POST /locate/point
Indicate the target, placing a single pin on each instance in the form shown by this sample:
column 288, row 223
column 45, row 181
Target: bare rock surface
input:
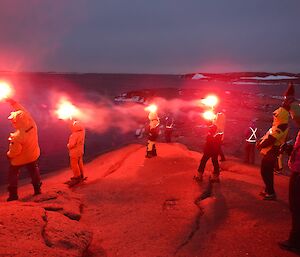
column 133, row 206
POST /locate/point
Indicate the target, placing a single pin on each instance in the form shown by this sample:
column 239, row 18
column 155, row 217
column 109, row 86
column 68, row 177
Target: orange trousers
column 76, row 164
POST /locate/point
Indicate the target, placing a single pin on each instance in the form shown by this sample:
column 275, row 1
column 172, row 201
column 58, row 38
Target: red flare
column 66, row 110
column 151, row 108
column 5, row 90
column 210, row 100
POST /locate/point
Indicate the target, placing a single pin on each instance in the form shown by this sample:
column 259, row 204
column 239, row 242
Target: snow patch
column 199, row 76
column 270, row 77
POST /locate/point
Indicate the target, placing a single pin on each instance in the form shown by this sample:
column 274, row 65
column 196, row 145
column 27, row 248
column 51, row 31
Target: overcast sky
column 153, row 36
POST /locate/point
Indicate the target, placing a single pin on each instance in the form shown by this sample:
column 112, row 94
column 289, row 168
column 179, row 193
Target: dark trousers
column 222, row 156
column 266, row 171
column 33, row 170
column 294, row 201
column 168, row 134
column 214, row 160
column 250, row 153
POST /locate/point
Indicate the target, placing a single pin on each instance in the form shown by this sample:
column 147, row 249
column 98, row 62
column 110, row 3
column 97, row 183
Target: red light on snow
column 66, row 110
column 210, row 100
column 151, row 108
column 5, row 90
column 209, row 115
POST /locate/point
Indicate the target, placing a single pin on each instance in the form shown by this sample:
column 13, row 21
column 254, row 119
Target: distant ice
column 270, row 77
column 244, row 82
column 199, row 76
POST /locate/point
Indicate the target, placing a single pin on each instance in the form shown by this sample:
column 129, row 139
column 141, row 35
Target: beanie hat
column 289, row 94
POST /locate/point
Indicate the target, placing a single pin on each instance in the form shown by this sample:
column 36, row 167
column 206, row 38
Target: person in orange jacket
column 153, row 131
column 23, row 151
column 76, row 150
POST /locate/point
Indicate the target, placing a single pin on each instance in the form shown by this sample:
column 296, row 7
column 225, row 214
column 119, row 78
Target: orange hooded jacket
column 23, row 143
column 76, row 140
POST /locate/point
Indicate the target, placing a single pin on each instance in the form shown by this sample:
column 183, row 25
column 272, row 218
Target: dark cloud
column 134, row 36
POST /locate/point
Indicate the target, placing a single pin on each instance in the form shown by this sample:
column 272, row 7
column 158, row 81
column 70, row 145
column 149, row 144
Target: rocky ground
column 132, row 206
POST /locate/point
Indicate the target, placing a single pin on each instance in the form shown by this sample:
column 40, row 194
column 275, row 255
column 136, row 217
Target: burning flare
column 5, row 90
column 209, row 115
column 210, row 100
column 151, row 108
column 66, row 110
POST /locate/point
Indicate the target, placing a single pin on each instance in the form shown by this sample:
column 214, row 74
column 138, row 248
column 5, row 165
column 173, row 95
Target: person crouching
column 76, row 150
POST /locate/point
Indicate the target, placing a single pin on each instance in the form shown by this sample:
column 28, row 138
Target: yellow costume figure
column 153, row 134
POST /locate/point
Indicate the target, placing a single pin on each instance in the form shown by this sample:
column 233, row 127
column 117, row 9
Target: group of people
column 24, row 150
column 269, row 146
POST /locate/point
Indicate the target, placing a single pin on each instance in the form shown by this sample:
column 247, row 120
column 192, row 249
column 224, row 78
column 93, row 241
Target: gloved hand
column 10, row 100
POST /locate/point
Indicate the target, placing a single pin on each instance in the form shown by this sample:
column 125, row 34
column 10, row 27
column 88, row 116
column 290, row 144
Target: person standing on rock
column 169, row 123
column 23, row 151
column 153, row 131
column 293, row 242
column 76, row 150
column 211, row 150
column 269, row 146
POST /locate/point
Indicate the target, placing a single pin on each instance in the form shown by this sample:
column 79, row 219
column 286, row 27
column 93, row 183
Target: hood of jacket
column 76, row 126
column 20, row 119
column 280, row 116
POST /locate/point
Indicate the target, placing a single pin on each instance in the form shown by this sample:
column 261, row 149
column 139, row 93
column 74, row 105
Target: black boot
column 37, row 188
column 74, row 181
column 13, row 193
column 149, row 154
column 154, row 150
